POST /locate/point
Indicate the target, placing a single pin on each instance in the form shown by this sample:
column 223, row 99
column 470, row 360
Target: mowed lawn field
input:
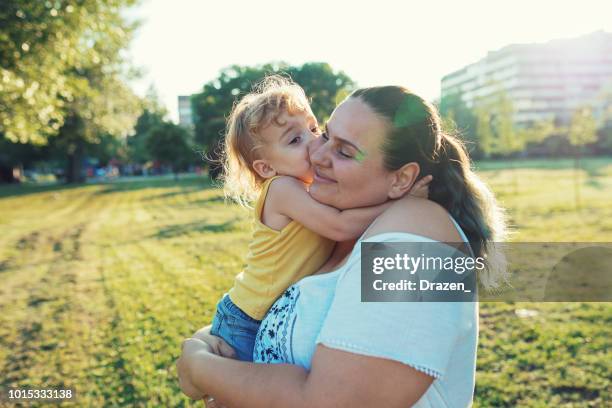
column 100, row 283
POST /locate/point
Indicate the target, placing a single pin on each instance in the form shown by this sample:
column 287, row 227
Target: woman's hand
column 421, row 187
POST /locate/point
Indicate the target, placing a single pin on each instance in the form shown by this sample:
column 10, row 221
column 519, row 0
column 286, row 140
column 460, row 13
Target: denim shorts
column 235, row 327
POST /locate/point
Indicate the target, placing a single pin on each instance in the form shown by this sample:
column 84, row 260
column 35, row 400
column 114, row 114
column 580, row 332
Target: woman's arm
column 337, row 379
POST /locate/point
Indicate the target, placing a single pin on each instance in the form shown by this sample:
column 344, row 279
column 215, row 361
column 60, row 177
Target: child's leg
column 235, row 327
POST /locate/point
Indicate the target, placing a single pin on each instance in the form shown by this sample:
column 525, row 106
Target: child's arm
column 287, row 196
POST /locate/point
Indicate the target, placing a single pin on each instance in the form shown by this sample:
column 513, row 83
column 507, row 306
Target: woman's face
column 347, row 159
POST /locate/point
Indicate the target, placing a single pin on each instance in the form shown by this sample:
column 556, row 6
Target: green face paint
column 360, row 156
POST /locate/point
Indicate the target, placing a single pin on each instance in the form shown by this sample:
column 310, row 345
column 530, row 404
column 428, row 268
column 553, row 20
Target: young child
column 267, row 162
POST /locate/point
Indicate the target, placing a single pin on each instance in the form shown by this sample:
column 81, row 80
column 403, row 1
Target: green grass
column 101, row 282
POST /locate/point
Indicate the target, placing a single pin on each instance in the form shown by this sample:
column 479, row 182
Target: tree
column 459, row 118
column 324, row 87
column 538, row 131
column 63, row 74
column 501, row 111
column 215, row 102
column 604, row 101
column 44, row 46
column 605, row 137
column 497, row 132
column 38, row 44
column 170, row 144
column 484, row 131
column 495, row 126
column 137, row 143
column 151, row 117
column 582, row 131
column 111, row 109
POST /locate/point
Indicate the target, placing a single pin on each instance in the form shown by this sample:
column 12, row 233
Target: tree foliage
column 459, row 118
column 583, row 127
column 59, row 58
column 495, row 124
column 582, row 131
column 63, row 75
column 152, row 116
column 171, row 145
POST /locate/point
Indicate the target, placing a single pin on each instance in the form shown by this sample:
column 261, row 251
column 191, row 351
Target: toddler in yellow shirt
column 267, row 162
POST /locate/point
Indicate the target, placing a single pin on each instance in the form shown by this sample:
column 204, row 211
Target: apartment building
column 546, row 80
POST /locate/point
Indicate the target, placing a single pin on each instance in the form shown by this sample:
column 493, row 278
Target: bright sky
column 182, row 44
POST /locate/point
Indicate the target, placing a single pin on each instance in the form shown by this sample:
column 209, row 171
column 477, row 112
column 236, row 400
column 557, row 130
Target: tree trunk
column 7, row 175
column 515, row 177
column 577, row 177
column 71, row 142
column 74, row 172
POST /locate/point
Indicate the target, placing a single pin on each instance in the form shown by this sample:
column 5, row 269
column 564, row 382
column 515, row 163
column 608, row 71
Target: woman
column 331, row 349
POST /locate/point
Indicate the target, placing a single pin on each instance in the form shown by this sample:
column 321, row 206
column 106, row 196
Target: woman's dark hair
column 415, row 135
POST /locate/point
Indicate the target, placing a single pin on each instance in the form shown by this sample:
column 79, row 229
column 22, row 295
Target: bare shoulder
column 284, row 185
column 283, row 190
column 416, row 216
column 280, row 193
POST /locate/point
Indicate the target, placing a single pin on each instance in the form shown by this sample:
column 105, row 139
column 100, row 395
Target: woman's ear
column 403, row 179
column 263, row 169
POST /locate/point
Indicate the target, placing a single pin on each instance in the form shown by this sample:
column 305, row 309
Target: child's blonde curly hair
column 269, row 99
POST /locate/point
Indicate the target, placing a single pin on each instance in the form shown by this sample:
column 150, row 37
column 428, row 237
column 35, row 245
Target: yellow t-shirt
column 275, row 261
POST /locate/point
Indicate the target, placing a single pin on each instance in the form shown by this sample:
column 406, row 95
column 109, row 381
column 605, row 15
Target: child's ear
column 263, row 169
column 403, row 179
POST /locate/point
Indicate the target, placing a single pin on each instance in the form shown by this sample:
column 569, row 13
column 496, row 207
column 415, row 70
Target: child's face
column 285, row 148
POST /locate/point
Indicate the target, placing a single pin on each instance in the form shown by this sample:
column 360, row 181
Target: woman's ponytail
column 471, row 203
column 415, row 135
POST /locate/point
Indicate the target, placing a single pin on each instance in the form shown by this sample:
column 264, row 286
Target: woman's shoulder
column 416, row 216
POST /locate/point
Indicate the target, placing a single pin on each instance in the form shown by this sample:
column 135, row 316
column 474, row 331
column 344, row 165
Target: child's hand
column 218, row 345
column 421, row 188
column 191, row 350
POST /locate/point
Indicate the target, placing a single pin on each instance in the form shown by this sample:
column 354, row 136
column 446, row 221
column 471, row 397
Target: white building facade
column 184, row 111
column 544, row 81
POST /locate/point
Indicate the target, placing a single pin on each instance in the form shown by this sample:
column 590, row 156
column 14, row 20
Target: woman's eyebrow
column 343, row 140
